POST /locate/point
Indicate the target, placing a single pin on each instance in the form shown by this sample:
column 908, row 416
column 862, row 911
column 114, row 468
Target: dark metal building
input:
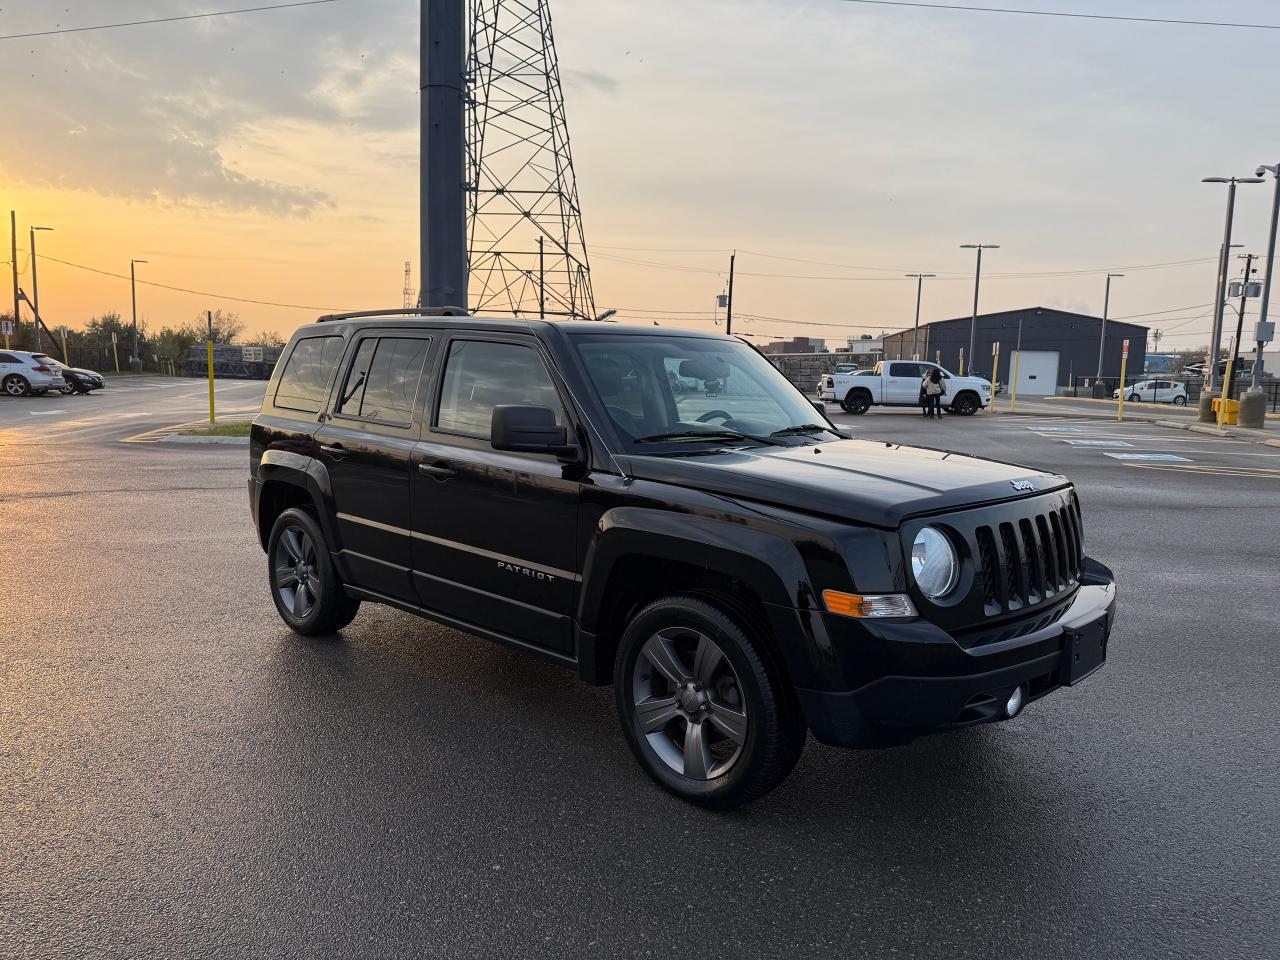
column 1056, row 346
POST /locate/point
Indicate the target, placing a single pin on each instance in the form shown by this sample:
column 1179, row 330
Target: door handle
column 440, row 471
column 336, row 450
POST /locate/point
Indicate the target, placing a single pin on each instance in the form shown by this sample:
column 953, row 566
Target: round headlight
column 933, row 563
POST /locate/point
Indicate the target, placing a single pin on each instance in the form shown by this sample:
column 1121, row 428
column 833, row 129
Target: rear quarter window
column 305, row 379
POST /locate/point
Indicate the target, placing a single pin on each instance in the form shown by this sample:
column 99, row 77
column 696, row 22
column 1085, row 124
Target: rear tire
column 304, row 583
column 1179, row 401
column 16, row 386
column 856, row 402
column 709, row 716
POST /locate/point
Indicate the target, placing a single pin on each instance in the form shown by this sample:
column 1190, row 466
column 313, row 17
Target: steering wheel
column 712, row 414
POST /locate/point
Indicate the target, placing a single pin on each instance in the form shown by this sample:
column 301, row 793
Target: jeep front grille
column 1026, row 561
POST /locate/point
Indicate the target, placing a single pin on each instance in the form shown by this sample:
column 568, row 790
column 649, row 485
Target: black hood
column 864, row 480
column 81, row 371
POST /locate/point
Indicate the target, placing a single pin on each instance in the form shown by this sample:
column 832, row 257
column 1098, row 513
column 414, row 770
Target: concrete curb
column 1111, row 404
column 1224, row 432
column 213, row 441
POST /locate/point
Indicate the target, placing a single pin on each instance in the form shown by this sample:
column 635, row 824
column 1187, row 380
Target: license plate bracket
column 1084, row 650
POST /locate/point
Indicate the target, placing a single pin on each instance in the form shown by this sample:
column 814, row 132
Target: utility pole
column 728, row 317
column 133, row 290
column 542, row 277
column 13, row 256
column 442, row 204
column 977, row 282
column 920, row 279
column 1235, row 348
column 1220, row 295
column 1099, row 389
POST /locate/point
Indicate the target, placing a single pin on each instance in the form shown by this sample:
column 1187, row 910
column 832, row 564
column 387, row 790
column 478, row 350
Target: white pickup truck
column 896, row 383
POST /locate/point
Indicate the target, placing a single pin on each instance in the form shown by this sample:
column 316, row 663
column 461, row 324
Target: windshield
column 675, row 388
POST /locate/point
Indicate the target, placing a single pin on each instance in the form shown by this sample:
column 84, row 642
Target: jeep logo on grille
column 1026, row 486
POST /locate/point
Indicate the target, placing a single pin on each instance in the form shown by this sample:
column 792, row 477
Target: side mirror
column 820, row 407
column 528, row 429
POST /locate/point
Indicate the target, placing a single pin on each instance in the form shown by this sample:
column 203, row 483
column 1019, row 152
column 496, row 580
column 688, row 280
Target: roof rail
column 398, row 312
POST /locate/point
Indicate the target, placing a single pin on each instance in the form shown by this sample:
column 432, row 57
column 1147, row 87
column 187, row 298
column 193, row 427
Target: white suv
column 22, row 373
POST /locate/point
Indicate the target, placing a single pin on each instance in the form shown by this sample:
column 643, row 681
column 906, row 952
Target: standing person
column 932, row 390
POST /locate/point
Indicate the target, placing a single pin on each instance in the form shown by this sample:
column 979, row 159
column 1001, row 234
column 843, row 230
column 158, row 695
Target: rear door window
column 394, row 376
column 305, row 379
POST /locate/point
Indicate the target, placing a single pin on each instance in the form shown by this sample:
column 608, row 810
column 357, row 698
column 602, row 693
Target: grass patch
column 218, row 430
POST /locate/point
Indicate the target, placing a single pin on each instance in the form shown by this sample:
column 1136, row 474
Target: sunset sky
column 273, row 156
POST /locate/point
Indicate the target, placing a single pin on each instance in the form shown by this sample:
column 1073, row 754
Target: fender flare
column 769, row 565
column 296, row 470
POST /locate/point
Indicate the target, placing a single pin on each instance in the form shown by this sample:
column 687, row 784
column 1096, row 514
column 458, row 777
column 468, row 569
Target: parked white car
column 22, row 373
column 896, row 383
column 1155, row 391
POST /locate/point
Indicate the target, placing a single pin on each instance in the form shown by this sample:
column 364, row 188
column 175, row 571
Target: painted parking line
column 1208, row 470
column 1099, row 443
column 1149, row 457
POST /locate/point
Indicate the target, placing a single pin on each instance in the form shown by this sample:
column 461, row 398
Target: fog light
column 1014, row 703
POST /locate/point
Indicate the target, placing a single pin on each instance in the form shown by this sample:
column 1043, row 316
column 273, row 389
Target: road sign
column 251, row 354
column 1124, row 354
column 63, row 332
column 114, row 341
column 6, row 328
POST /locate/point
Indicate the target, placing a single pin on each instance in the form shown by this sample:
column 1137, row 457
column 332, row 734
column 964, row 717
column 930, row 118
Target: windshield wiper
column 707, row 435
column 802, row 428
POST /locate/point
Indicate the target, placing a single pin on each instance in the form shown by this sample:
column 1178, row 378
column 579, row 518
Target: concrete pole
column 443, row 208
column 1235, row 348
column 1271, row 262
column 13, row 245
column 973, row 324
column 133, row 292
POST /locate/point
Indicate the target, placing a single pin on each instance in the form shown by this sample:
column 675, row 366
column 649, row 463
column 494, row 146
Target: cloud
column 149, row 112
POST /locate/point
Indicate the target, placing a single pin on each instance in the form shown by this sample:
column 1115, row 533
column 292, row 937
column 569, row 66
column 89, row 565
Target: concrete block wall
column 804, row 369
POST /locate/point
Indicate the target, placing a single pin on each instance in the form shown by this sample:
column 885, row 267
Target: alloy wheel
column 15, row 387
column 297, row 572
column 689, row 703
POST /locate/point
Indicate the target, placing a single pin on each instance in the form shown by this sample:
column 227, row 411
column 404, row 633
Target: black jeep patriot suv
column 663, row 511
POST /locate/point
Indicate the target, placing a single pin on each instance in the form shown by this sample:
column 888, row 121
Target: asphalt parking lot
column 180, row 776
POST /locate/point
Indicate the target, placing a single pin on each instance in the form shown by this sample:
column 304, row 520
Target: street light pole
column 977, row 282
column 35, row 283
column 919, row 279
column 1102, row 342
column 1244, row 300
column 1274, row 169
column 133, row 289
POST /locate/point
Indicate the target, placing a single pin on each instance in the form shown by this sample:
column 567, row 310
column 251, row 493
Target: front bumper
column 934, row 684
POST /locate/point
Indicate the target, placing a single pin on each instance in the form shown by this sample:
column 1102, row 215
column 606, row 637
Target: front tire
column 304, row 583
column 1134, row 398
column 965, row 405
column 704, row 710
column 16, row 386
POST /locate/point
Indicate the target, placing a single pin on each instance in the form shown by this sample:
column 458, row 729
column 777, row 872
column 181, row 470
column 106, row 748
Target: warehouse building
column 1057, row 346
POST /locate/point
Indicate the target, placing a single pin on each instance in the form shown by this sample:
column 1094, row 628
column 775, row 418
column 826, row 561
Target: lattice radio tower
column 410, row 294
column 527, row 250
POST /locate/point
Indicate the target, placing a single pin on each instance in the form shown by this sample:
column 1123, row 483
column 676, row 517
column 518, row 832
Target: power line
column 189, row 16
column 968, row 8
column 197, row 293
